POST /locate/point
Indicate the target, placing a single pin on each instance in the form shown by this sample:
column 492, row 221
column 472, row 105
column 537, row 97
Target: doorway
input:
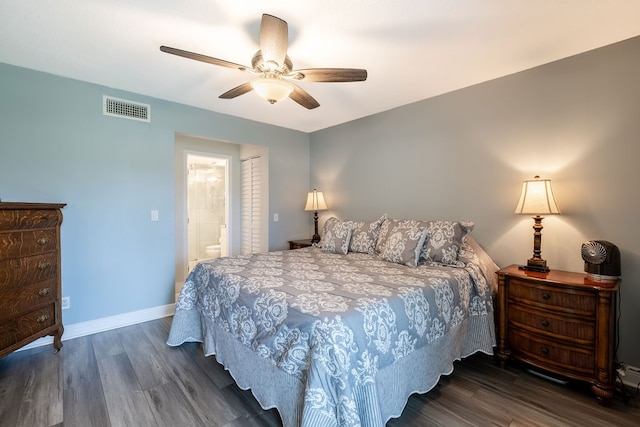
column 207, row 207
column 232, row 153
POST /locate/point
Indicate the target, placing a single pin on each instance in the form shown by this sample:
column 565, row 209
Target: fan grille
column 594, row 252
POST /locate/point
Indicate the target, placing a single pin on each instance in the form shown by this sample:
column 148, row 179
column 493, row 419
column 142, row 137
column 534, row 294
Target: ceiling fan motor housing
column 601, row 259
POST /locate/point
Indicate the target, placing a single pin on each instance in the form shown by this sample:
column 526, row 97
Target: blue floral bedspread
column 332, row 321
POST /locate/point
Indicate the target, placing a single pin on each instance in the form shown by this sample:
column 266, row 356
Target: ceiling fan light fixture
column 274, row 68
column 272, row 90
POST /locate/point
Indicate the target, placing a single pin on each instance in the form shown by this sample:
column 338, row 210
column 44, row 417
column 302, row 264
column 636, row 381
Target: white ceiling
column 412, row 49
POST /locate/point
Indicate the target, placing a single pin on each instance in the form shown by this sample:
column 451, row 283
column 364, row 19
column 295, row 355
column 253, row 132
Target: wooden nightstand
column 561, row 322
column 299, row 244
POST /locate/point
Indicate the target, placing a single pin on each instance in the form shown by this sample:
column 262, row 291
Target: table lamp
column 315, row 203
column 537, row 199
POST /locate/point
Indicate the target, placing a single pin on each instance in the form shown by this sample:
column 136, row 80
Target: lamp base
column 315, row 238
column 536, row 264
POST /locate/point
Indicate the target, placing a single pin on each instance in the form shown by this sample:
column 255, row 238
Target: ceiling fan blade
column 303, row 98
column 329, row 75
column 203, row 58
column 237, row 91
column 274, row 39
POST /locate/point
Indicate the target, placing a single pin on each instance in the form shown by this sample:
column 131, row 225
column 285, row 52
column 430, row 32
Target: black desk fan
column 601, row 260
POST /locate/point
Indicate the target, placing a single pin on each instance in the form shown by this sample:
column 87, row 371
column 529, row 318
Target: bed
column 343, row 334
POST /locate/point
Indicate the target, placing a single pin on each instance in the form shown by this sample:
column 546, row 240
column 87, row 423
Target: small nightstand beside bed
column 344, row 334
column 561, row 322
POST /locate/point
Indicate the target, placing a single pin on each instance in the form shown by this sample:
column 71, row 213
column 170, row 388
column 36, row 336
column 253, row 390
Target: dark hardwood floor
column 130, row 377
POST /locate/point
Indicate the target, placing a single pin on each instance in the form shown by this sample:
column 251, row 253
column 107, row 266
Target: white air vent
column 125, row 109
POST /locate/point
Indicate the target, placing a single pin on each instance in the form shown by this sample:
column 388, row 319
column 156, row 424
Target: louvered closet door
column 251, row 205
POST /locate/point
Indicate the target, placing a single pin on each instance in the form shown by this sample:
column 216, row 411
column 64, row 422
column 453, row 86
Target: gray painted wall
column 56, row 146
column 463, row 155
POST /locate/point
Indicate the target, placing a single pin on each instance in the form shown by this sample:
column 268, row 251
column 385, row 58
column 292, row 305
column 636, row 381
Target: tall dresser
column 30, row 287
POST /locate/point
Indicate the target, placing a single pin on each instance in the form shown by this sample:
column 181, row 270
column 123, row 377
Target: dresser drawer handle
column 44, row 265
column 545, row 322
column 545, row 350
column 546, row 296
column 43, row 241
column 44, row 292
column 42, row 318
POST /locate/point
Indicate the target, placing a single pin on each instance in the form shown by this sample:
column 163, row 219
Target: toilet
column 213, row 251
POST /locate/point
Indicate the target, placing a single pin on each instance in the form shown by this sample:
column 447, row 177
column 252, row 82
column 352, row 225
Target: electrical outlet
column 66, row 303
column 631, row 376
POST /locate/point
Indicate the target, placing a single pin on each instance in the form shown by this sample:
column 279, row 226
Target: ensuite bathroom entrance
column 207, row 201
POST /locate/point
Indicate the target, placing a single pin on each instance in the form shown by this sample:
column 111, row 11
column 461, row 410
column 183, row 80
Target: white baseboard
column 90, row 327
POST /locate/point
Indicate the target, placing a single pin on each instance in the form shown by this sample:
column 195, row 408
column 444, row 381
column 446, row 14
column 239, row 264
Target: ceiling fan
column 273, row 68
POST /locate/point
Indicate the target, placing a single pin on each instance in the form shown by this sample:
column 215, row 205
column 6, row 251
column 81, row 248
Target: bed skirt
column 417, row 372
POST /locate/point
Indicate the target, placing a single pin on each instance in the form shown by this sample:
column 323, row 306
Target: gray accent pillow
column 444, row 240
column 402, row 242
column 365, row 235
column 384, row 229
column 337, row 235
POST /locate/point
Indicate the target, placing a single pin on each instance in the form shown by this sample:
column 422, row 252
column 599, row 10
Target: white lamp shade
column 315, row 201
column 272, row 90
column 537, row 198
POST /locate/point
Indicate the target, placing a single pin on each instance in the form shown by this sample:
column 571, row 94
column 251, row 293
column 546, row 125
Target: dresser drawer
column 22, row 327
column 577, row 330
column 20, row 219
column 551, row 355
column 566, row 299
column 18, row 244
column 14, row 302
column 18, row 272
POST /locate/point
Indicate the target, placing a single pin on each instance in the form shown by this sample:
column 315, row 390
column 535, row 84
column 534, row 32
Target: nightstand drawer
column 551, row 324
column 567, row 300
column 552, row 355
column 299, row 244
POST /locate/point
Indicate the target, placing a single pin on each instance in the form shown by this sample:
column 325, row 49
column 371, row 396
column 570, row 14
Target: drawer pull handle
column 44, row 265
column 545, row 350
column 546, row 296
column 43, row 241
column 42, row 318
column 545, row 322
column 44, row 291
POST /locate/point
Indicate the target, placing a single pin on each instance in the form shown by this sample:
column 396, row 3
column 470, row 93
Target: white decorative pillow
column 337, row 235
column 402, row 242
column 444, row 240
column 364, row 235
